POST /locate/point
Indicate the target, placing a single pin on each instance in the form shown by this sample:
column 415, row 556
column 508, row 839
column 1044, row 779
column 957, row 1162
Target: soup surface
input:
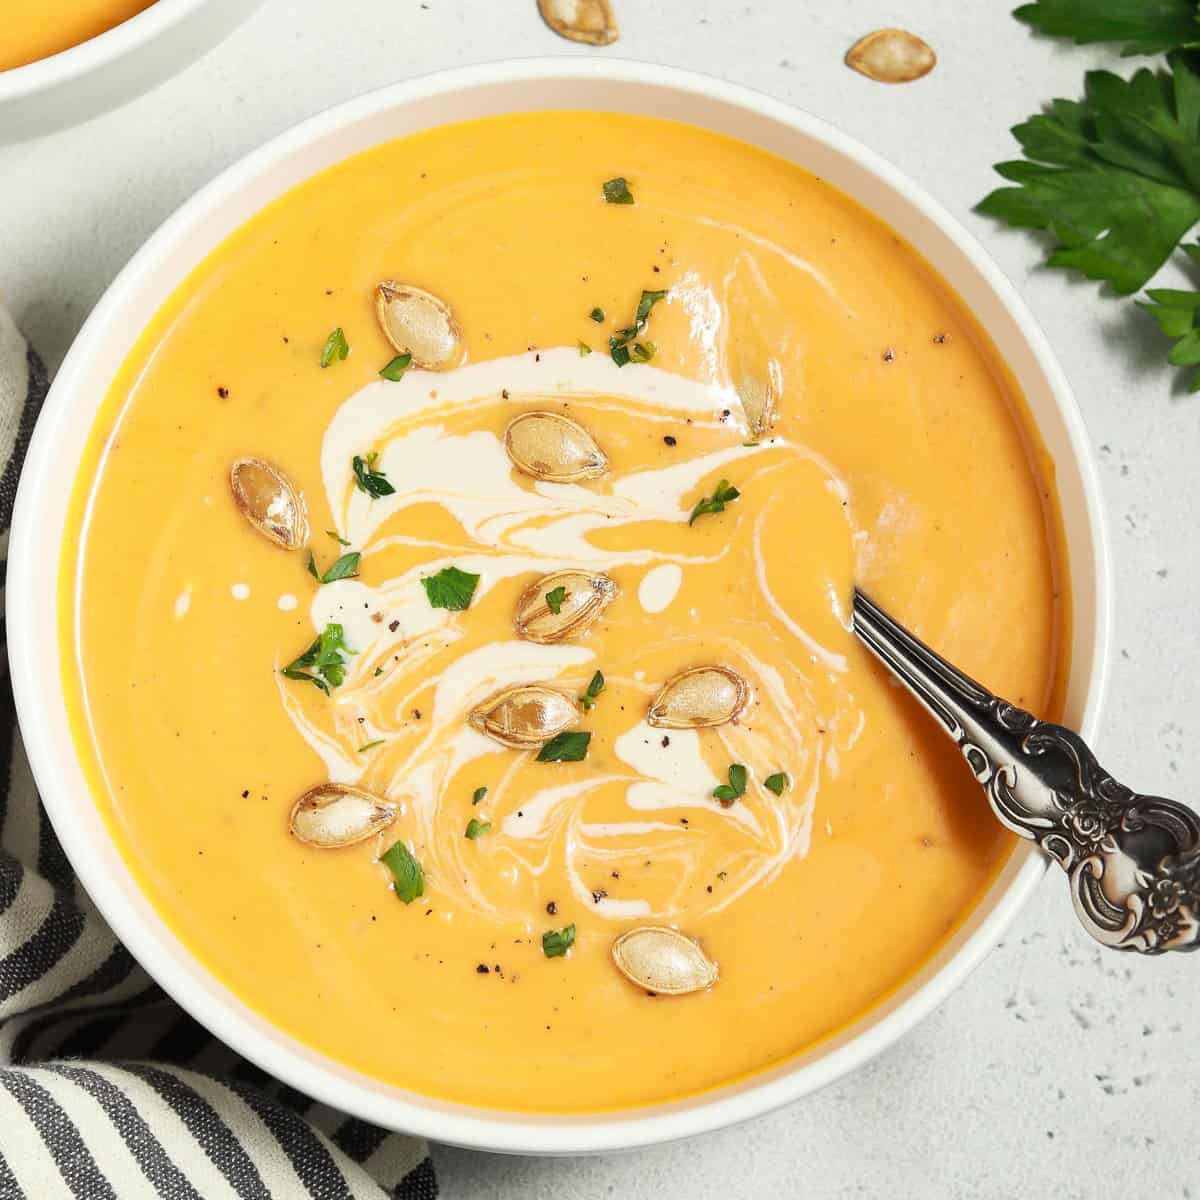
column 900, row 459
column 36, row 29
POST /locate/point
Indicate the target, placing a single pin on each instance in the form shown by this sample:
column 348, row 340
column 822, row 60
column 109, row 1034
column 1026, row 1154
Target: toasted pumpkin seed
column 590, row 21
column 547, row 445
column 270, row 502
column 587, row 595
column 525, row 717
column 699, row 698
column 891, row 56
column 757, row 394
column 417, row 322
column 663, row 961
column 333, row 815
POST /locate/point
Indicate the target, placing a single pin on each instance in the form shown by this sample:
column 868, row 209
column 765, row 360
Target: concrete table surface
column 1057, row 1070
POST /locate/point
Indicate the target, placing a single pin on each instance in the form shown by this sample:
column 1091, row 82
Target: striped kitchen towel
column 107, row 1088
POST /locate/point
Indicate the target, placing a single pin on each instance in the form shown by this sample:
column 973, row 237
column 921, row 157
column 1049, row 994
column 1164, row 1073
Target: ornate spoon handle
column 1133, row 861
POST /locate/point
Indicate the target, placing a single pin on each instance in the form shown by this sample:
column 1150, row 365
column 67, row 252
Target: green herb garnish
column 556, row 942
column 367, row 479
column 571, row 746
column 450, row 588
column 597, row 315
column 323, row 664
column 727, row 793
column 1178, row 316
column 336, row 347
column 715, row 503
column 616, row 191
column 394, row 371
column 555, row 598
column 333, row 533
column 776, row 783
column 476, row 829
column 619, row 343
column 478, row 795
column 371, row 745
column 346, row 567
column 593, row 690
column 406, row 871
column 584, row 349
column 1143, row 26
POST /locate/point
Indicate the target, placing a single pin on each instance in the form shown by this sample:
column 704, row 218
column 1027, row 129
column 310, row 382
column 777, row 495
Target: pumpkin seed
column 333, row 815
column 587, row 596
column 590, row 21
column 663, row 961
column 891, row 56
column 418, row 323
column 757, row 394
column 270, row 502
column 701, row 697
column 550, row 446
column 525, row 717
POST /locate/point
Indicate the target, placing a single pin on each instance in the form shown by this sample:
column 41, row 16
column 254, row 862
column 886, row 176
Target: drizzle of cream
column 240, row 591
column 659, row 586
column 287, row 602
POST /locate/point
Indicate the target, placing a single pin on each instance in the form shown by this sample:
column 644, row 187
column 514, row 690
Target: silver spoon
column 1133, row 861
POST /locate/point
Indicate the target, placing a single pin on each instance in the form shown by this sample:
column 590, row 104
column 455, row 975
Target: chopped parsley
column 619, row 343
column 776, row 783
column 476, row 829
column 346, row 567
column 367, row 479
column 715, row 503
column 323, row 664
column 593, row 690
column 727, row 793
column 556, row 942
column 555, row 598
column 571, row 746
column 333, row 533
column 406, row 871
column 597, row 315
column 450, row 588
column 478, row 795
column 584, row 349
column 616, row 191
column 394, row 371
column 336, row 348
column 371, row 745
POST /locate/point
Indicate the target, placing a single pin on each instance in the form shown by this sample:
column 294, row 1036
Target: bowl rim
column 510, row 1131
column 127, row 37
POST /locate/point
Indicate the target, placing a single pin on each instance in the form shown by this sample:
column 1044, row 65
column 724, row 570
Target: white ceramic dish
column 112, row 68
column 217, row 211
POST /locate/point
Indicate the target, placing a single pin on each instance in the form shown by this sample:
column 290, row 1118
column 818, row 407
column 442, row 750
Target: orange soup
column 36, row 29
column 457, row 609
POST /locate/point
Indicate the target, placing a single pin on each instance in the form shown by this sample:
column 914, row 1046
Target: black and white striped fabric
column 107, row 1089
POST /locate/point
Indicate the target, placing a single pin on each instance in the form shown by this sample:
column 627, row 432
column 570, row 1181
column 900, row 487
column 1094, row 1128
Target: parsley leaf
column 593, row 690
column 333, row 533
column 616, row 191
column 406, row 871
column 584, row 349
column 1114, row 178
column 715, row 503
column 336, row 348
column 555, row 598
column 597, row 315
column 478, row 795
column 556, row 942
column 1144, row 26
column 367, row 479
column 1178, row 316
column 346, row 567
column 450, row 588
column 323, row 664
column 371, row 745
column 618, row 344
column 776, row 783
column 571, row 746
column 394, row 371
column 727, row 793
column 476, row 829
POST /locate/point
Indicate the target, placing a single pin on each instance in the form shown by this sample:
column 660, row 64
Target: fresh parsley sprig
column 407, row 875
column 571, row 746
column 324, row 663
column 594, row 688
column 346, row 567
column 556, row 942
column 1141, row 26
column 727, row 793
column 726, row 493
column 336, row 348
column 450, row 588
column 394, row 371
column 622, row 345
column 1178, row 316
column 368, row 479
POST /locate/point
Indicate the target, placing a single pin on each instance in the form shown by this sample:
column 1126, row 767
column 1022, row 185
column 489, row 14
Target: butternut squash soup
column 36, row 29
column 457, row 609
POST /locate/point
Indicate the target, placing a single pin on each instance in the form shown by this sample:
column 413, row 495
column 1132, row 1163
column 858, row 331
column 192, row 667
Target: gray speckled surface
column 1056, row 1070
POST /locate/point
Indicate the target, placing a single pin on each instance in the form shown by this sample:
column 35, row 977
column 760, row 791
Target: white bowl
column 114, row 67
column 220, row 209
